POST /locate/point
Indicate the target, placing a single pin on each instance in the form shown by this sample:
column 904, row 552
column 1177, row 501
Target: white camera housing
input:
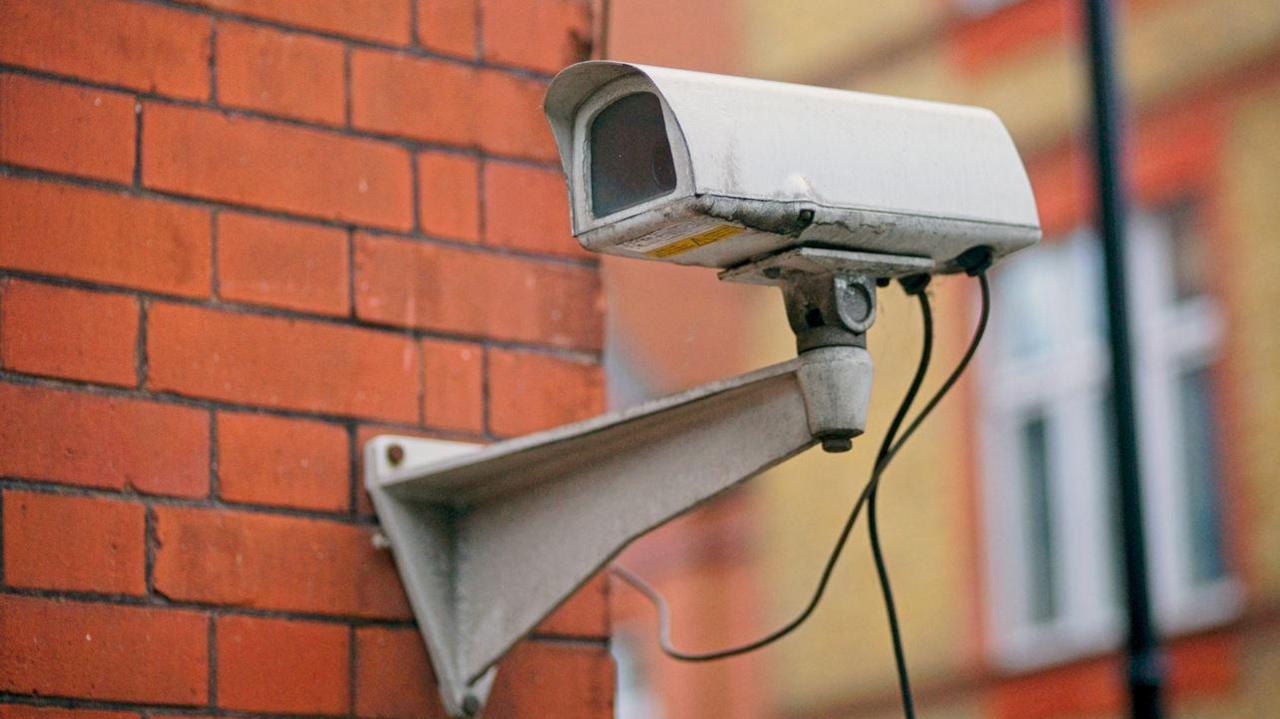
column 717, row 171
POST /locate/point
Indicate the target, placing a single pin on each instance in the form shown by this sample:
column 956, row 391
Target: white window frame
column 635, row 697
column 1067, row 385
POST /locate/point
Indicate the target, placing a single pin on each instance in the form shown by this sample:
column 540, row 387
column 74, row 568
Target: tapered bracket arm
column 490, row 540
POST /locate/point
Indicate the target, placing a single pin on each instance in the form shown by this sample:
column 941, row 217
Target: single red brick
column 453, row 385
column 280, row 73
column 65, row 332
column 530, row 391
column 278, row 362
column 440, row 101
column 65, row 128
column 448, row 26
column 379, row 20
column 476, row 293
column 110, row 442
column 284, row 264
column 103, row 651
column 276, row 166
column 449, row 195
column 585, row 614
column 278, row 665
column 283, row 462
column 137, row 45
column 19, row 711
column 527, row 208
column 410, row 691
column 509, row 119
column 76, row 543
column 566, row 681
column 104, row 237
column 268, row 561
column 544, row 35
column 421, row 98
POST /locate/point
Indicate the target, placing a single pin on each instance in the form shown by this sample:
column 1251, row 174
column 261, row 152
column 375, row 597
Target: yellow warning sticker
column 693, row 242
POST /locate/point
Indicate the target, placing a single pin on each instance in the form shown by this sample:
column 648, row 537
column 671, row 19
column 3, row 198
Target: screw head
column 471, row 705
column 772, row 273
column 855, row 302
column 395, row 455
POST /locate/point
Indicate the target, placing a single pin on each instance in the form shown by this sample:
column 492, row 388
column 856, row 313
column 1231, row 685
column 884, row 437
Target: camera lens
column 631, row 159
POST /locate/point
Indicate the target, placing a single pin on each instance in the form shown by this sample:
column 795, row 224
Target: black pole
column 1145, row 661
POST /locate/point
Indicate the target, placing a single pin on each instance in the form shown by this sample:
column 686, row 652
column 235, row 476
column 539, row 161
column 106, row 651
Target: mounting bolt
column 471, row 705
column 772, row 273
column 836, row 443
column 395, row 455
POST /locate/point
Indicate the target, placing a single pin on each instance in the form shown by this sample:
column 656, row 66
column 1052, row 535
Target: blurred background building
column 998, row 519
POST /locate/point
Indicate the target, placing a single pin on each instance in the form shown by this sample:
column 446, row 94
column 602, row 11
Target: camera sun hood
column 764, row 166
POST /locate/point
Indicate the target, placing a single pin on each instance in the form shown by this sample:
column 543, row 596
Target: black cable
column 660, row 603
column 884, row 457
column 979, row 331
column 873, row 526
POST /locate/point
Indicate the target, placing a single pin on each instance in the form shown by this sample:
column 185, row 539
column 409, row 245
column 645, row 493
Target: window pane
column 1188, row 255
column 1090, row 282
column 1109, row 462
column 1029, row 300
column 630, row 155
column 1200, row 478
column 1042, row 592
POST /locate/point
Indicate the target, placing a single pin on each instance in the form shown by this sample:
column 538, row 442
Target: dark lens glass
column 630, row 156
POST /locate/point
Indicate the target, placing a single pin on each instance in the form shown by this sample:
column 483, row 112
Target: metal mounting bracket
column 490, row 540
column 830, row 294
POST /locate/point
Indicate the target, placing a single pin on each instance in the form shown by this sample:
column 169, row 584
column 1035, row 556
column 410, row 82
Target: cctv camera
column 820, row 192
column 718, row 171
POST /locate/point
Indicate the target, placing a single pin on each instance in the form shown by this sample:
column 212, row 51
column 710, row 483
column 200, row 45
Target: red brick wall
column 237, row 239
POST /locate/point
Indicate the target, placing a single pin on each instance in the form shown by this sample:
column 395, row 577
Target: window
column 1052, row 540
